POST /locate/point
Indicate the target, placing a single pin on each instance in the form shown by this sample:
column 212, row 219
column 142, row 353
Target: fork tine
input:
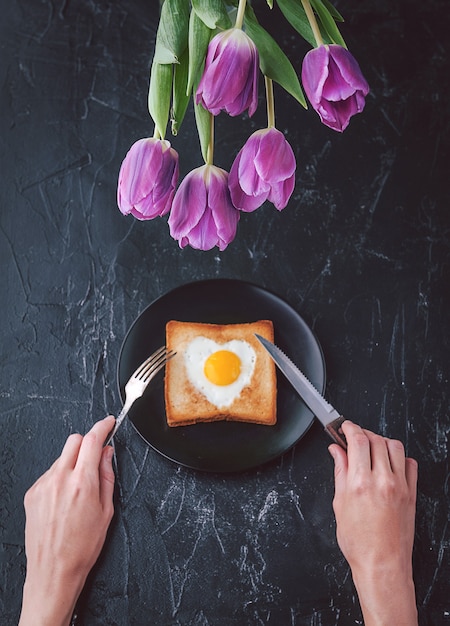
column 153, row 368
column 150, row 359
column 152, row 371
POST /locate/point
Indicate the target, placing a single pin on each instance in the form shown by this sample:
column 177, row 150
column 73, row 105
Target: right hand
column 374, row 504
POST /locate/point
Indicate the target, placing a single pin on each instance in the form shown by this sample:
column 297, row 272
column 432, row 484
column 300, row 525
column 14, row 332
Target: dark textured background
column 362, row 253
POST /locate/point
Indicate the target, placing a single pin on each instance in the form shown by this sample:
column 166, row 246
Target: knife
column 330, row 418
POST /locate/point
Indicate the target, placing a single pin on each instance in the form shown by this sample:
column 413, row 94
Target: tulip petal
column 263, row 169
column 249, row 179
column 204, row 235
column 336, row 87
column 147, row 179
column 334, row 84
column 275, row 160
column 241, row 200
column 133, row 185
column 244, row 202
column 159, row 200
column 203, row 215
column 224, row 214
column 230, row 78
column 281, row 192
column 315, row 73
column 338, row 116
column 186, row 212
column 348, row 68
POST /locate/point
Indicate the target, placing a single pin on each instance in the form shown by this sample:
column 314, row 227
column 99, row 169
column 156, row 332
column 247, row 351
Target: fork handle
column 122, row 415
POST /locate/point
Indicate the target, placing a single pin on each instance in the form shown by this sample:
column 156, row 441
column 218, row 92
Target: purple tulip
column 334, row 84
column 230, row 78
column 147, row 179
column 203, row 215
column 263, row 170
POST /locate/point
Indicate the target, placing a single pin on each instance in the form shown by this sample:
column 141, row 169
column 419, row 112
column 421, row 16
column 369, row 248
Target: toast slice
column 186, row 404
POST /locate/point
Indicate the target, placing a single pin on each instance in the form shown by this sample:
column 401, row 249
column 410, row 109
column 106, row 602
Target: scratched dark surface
column 362, row 253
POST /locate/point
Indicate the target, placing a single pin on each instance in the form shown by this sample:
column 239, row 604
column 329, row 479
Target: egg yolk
column 222, row 367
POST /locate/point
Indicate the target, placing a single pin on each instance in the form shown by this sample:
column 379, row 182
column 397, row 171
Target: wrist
column 386, row 594
column 49, row 603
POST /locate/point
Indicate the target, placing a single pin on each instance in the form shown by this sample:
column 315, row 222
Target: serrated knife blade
column 330, row 418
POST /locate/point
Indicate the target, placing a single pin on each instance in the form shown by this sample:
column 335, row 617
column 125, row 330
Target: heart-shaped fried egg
column 219, row 372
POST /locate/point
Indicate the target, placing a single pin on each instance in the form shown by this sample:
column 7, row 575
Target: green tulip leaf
column 213, row 13
column 273, row 62
column 181, row 97
column 203, row 121
column 159, row 95
column 327, row 22
column 199, row 36
column 172, row 35
column 333, row 11
column 295, row 14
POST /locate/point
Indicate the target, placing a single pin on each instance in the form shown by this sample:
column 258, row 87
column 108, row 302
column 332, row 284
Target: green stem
column 156, row 133
column 313, row 22
column 210, row 150
column 240, row 14
column 270, row 102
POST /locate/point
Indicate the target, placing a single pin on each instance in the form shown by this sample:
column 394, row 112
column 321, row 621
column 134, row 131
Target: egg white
column 195, row 355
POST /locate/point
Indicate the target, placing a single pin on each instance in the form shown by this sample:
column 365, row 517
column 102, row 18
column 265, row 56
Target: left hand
column 68, row 512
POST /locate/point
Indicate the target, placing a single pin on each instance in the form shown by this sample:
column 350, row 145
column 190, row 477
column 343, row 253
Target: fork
column 138, row 382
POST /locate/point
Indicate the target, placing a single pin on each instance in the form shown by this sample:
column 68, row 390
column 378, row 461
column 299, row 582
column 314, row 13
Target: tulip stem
column 156, row 133
column 270, row 102
column 312, row 22
column 210, row 149
column 240, row 14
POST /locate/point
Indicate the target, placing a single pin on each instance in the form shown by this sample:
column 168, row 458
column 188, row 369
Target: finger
column 358, row 448
column 396, row 453
column 70, row 451
column 340, row 467
column 107, row 478
column 92, row 445
column 379, row 455
column 411, row 471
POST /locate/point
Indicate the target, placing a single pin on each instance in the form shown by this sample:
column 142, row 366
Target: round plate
column 221, row 446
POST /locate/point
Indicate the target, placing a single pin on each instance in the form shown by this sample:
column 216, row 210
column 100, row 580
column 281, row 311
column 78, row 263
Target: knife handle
column 335, row 431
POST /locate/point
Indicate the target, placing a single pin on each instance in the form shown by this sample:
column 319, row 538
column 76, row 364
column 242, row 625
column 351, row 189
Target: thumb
column 340, row 466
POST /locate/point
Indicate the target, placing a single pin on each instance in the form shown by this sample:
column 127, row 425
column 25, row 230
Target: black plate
column 221, row 446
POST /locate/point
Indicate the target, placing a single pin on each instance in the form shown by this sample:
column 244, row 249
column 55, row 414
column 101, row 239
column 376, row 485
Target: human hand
column 68, row 511
column 374, row 504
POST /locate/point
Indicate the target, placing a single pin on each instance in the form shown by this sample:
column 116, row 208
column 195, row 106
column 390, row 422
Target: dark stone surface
column 362, row 253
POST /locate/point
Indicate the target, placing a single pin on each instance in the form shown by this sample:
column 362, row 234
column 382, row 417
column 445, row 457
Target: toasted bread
column 185, row 404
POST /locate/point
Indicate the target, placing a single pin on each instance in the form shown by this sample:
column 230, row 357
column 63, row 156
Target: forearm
column 387, row 597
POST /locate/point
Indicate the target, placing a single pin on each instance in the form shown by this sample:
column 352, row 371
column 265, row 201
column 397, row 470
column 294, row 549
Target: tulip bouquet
column 214, row 51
